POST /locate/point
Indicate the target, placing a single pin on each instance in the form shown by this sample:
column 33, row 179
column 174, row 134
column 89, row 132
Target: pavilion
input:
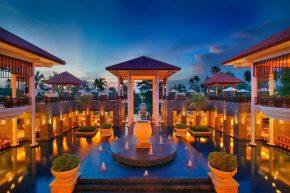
column 221, row 79
column 64, row 79
column 143, row 68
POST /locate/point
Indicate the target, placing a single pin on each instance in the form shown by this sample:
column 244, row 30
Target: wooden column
column 33, row 114
column 254, row 94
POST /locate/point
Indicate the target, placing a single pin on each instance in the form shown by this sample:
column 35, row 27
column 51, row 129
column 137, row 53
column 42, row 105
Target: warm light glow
column 265, row 153
column 203, row 139
column 281, row 121
column 20, row 154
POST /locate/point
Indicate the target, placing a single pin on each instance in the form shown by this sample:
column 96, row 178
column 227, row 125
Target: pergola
column 143, row 68
column 64, row 79
column 221, row 79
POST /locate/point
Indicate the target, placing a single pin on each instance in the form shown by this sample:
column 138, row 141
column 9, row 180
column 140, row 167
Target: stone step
column 142, row 181
column 161, row 185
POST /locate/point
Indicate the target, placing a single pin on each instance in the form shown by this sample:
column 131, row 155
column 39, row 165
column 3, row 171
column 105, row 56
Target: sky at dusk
column 92, row 34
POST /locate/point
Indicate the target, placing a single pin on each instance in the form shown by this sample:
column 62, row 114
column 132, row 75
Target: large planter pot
column 180, row 132
column 65, row 176
column 85, row 134
column 106, row 132
column 143, row 131
column 221, row 175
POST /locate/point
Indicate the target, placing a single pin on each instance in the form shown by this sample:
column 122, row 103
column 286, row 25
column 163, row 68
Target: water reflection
column 262, row 169
column 25, row 169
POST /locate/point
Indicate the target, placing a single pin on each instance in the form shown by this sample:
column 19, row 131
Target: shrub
column 65, row 162
column 199, row 129
column 86, row 129
column 180, row 126
column 222, row 161
column 106, row 126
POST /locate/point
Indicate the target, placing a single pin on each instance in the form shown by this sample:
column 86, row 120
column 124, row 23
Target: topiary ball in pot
column 222, row 165
column 65, row 167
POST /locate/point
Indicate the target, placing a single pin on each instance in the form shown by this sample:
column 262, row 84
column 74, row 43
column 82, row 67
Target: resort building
column 18, row 60
column 269, row 62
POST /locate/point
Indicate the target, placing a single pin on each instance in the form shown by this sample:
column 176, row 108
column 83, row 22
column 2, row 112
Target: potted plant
column 86, row 131
column 65, row 167
column 222, row 165
column 106, row 129
column 200, row 130
column 180, row 129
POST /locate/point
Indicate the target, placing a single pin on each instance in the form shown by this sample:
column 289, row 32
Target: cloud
column 218, row 49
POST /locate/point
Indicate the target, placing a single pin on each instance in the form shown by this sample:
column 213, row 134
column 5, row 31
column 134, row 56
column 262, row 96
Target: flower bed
column 180, row 129
column 200, row 131
column 86, row 131
column 106, row 130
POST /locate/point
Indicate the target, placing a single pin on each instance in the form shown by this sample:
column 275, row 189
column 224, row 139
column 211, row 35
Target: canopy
column 230, row 89
column 243, row 90
column 221, row 78
column 64, row 78
column 190, row 91
column 173, row 90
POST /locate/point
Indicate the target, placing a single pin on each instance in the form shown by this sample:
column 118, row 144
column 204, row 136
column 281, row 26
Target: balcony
column 236, row 99
column 281, row 102
column 43, row 99
column 14, row 102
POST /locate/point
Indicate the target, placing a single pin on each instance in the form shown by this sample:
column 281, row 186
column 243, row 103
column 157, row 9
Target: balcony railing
column 43, row 99
column 237, row 99
column 282, row 102
column 14, row 102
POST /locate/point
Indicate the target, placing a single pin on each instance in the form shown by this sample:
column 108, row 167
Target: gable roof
column 15, row 41
column 143, row 63
column 64, row 78
column 274, row 40
column 221, row 78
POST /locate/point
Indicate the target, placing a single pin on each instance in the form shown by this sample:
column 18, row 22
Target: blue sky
column 92, row 34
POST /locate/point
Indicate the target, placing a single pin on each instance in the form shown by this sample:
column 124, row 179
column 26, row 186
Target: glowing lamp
column 142, row 131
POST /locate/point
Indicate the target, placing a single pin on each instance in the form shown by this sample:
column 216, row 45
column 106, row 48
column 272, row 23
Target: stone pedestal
column 231, row 185
column 60, row 187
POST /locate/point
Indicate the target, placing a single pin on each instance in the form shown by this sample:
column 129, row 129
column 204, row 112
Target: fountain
column 146, row 173
column 189, row 164
column 142, row 143
column 103, row 166
column 100, row 148
column 160, row 140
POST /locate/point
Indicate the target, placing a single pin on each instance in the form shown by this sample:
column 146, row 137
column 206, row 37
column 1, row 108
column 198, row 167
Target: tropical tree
column 197, row 103
column 85, row 85
column 39, row 78
column 193, row 82
column 145, row 88
column 100, row 84
column 85, row 102
column 215, row 69
column 247, row 76
column 8, row 83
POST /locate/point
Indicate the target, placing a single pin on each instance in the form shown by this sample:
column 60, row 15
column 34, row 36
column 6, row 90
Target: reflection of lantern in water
column 20, row 154
column 232, row 146
column 54, row 148
column 221, row 142
column 37, row 154
column 64, row 144
column 265, row 153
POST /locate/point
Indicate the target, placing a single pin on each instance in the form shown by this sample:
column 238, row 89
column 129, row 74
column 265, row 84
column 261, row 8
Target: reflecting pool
column 262, row 169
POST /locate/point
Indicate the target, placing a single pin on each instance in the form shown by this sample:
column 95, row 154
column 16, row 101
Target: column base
column 15, row 145
column 33, row 145
column 252, row 144
column 271, row 144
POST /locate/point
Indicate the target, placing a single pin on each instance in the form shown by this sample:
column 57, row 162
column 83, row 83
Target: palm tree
column 85, row 85
column 247, row 76
column 100, row 84
column 8, row 83
column 39, row 77
column 86, row 101
column 193, row 83
column 215, row 69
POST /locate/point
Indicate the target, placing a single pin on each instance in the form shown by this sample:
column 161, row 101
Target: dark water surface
column 262, row 169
